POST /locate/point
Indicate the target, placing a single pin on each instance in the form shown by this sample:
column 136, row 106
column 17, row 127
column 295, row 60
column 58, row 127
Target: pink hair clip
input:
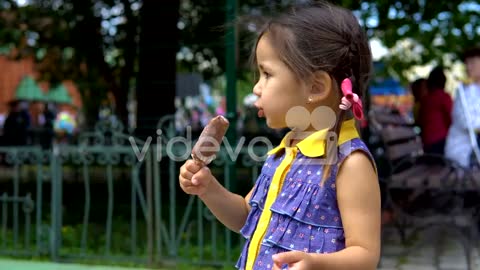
column 350, row 99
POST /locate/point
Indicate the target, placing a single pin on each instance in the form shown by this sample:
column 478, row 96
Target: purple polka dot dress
column 305, row 215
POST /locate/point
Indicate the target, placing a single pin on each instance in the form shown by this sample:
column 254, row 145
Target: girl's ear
column 321, row 87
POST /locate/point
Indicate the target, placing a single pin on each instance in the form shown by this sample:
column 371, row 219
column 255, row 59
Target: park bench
column 424, row 191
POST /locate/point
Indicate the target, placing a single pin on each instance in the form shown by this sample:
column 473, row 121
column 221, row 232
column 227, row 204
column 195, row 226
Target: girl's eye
column 266, row 74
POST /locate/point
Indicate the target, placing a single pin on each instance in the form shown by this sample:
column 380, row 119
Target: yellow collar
column 314, row 144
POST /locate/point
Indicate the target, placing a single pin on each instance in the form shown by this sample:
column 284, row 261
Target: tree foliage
column 420, row 32
column 95, row 42
column 91, row 42
column 415, row 31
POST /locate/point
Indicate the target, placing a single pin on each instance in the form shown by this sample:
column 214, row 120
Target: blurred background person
column 459, row 147
column 419, row 90
column 435, row 113
column 17, row 124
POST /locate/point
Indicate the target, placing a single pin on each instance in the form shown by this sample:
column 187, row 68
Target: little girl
column 313, row 206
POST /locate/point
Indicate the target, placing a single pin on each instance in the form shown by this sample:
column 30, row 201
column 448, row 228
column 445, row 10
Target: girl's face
column 473, row 68
column 278, row 88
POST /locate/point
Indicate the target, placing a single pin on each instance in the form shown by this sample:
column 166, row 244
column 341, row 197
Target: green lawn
column 11, row 264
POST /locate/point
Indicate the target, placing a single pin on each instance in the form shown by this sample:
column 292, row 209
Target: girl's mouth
column 261, row 113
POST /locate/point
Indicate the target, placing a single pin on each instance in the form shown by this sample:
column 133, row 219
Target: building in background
column 13, row 72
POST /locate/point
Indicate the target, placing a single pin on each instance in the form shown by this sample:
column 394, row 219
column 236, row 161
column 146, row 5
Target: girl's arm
column 229, row 208
column 358, row 195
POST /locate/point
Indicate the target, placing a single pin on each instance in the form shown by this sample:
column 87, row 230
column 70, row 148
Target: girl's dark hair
column 320, row 36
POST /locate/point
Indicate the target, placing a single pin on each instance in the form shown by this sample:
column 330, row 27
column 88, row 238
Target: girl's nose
column 256, row 90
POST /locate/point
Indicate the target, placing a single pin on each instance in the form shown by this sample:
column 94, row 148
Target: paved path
column 423, row 253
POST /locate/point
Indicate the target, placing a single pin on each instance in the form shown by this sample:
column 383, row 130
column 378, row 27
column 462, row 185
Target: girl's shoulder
column 354, row 145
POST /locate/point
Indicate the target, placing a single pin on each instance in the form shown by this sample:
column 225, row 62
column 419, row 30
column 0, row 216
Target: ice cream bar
column 208, row 144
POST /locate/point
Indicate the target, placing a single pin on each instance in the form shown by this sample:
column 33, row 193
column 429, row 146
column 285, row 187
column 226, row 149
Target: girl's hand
column 296, row 260
column 194, row 179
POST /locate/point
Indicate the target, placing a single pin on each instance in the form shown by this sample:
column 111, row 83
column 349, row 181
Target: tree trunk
column 129, row 45
column 157, row 63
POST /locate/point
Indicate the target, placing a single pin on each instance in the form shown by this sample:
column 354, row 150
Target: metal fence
column 113, row 198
